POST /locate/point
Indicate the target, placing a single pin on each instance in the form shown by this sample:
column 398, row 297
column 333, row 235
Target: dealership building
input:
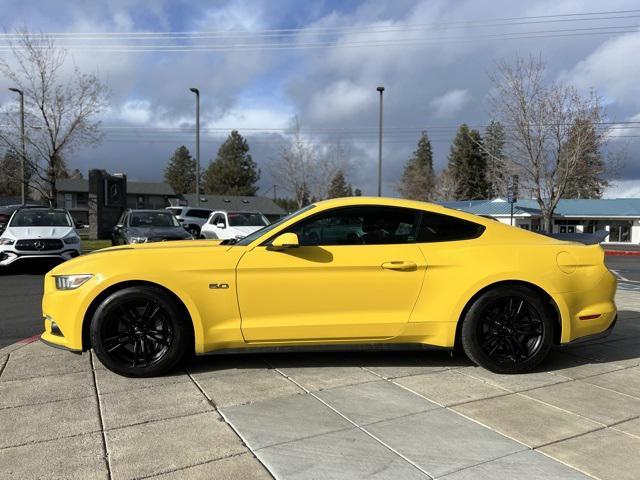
column 619, row 216
column 73, row 194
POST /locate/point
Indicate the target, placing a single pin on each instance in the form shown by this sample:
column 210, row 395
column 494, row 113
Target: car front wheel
column 508, row 329
column 139, row 332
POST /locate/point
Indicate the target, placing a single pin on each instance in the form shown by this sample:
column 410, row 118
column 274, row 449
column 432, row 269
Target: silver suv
column 191, row 218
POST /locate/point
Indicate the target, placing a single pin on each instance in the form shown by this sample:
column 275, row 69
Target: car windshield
column 40, row 218
column 153, row 219
column 258, row 233
column 244, row 219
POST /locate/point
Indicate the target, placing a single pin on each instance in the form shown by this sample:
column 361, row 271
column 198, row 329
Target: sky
column 261, row 64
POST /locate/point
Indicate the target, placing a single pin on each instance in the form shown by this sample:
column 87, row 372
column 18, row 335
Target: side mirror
column 119, row 226
column 284, row 241
column 221, row 225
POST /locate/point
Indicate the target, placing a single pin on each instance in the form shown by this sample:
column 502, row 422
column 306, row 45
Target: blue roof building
column 619, row 216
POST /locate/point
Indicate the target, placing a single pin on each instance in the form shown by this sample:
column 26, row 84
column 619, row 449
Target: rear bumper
column 593, row 336
column 589, row 312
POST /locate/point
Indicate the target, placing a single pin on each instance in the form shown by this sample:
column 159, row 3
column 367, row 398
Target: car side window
column 359, row 226
column 435, row 227
column 199, row 213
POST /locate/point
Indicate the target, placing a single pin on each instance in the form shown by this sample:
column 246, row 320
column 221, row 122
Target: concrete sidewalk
column 379, row 415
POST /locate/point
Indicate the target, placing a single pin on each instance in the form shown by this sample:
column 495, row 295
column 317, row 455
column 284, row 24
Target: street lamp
column 380, row 89
column 23, row 193
column 197, row 92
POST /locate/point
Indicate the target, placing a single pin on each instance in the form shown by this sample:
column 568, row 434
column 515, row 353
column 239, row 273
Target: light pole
column 23, row 190
column 380, row 89
column 197, row 92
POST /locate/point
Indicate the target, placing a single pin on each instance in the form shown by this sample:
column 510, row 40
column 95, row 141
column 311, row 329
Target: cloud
column 451, row 102
column 430, row 83
column 339, row 100
column 611, row 69
column 623, row 189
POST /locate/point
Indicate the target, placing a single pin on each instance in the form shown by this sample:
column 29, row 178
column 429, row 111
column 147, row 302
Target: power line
column 373, row 43
column 566, row 17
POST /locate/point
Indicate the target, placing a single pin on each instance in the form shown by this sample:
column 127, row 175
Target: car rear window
column 435, row 227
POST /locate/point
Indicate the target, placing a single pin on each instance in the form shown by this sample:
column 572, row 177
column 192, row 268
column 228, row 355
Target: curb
column 622, row 253
column 18, row 345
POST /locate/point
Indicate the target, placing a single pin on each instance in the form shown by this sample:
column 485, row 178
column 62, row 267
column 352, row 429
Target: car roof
column 146, row 210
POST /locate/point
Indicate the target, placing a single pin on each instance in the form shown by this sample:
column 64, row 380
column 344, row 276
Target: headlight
column 6, row 241
column 71, row 282
column 72, row 240
column 138, row 239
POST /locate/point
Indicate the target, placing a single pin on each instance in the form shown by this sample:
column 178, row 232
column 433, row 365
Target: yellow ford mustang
column 343, row 271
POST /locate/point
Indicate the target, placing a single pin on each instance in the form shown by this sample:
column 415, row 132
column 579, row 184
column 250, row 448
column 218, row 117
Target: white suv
column 191, row 218
column 39, row 233
column 232, row 225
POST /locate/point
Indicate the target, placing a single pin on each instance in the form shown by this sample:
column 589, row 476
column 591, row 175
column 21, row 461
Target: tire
column 508, row 329
column 139, row 332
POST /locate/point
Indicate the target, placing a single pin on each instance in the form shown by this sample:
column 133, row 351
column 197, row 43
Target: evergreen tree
column 339, row 186
column 497, row 176
column 587, row 179
column 468, row 165
column 181, row 171
column 10, row 174
column 418, row 179
column 233, row 172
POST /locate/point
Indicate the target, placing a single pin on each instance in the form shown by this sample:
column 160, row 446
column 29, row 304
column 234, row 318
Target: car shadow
column 622, row 348
column 36, row 266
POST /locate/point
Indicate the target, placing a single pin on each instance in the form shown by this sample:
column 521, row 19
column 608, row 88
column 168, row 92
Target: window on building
column 68, row 200
column 82, row 199
column 620, row 231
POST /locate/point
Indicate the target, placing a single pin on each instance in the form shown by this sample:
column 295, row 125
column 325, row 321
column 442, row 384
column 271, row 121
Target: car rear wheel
column 508, row 329
column 139, row 332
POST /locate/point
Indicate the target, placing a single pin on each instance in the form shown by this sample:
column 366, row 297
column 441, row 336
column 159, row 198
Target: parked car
column 232, row 225
column 412, row 272
column 147, row 226
column 191, row 218
column 39, row 232
column 7, row 210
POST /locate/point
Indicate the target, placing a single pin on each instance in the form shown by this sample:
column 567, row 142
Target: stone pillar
column 107, row 201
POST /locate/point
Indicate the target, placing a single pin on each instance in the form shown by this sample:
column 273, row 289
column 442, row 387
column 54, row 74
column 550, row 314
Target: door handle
column 399, row 265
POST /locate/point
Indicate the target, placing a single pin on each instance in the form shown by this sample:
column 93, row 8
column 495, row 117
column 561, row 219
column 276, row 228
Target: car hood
column 37, row 232
column 121, row 255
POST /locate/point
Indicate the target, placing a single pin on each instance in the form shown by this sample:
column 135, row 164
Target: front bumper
column 10, row 255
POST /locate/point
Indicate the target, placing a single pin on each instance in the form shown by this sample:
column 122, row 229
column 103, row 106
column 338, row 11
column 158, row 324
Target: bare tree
column 60, row 109
column 446, row 185
column 304, row 170
column 540, row 118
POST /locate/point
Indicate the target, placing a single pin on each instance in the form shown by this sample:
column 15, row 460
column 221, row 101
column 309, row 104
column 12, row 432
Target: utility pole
column 380, row 89
column 23, row 187
column 197, row 92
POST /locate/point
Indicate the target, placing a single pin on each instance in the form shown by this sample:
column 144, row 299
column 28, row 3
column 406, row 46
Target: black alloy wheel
column 508, row 330
column 137, row 331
